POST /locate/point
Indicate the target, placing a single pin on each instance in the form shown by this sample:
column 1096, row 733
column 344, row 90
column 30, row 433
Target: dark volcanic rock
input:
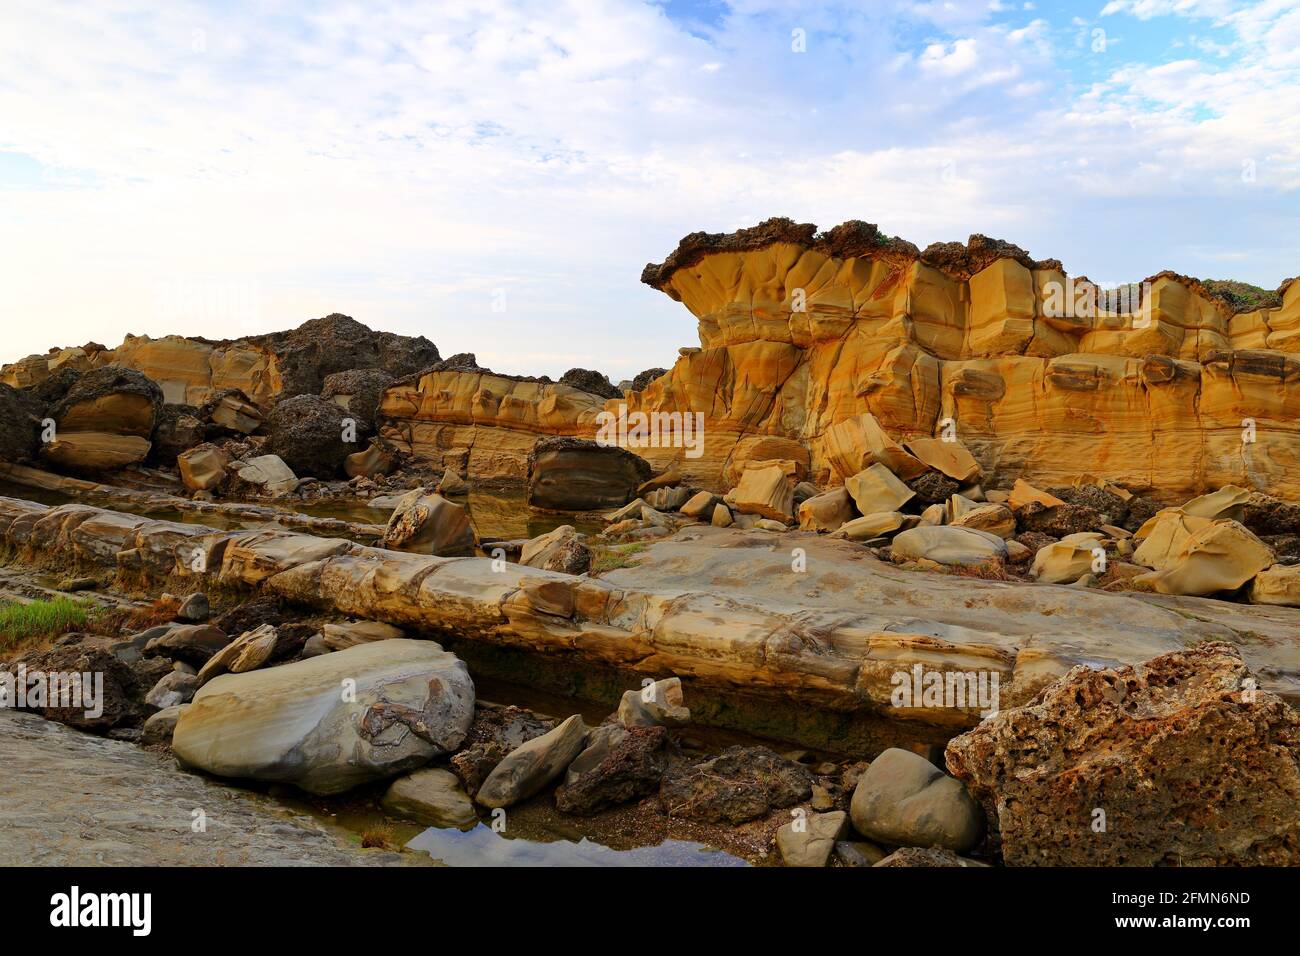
column 589, row 381
column 618, row 765
column 741, row 783
column 1139, row 510
column 339, row 343
column 934, row 487
column 645, row 378
column 358, row 391
column 1189, row 762
column 1269, row 516
column 250, row 615
column 20, row 424
column 179, row 429
column 576, row 474
column 117, row 702
column 1057, row 520
column 1098, row 499
column 53, row 388
column 307, row 432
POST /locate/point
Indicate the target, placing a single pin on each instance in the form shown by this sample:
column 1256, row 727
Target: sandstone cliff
column 1169, row 387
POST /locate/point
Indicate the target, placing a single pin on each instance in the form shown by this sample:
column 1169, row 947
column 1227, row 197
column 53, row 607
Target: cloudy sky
column 495, row 174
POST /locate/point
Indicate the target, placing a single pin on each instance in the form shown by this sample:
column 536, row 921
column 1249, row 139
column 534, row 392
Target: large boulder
column 1221, row 555
column 203, row 468
column 766, row 489
column 1178, row 761
column 429, row 524
column 309, row 434
column 112, row 400
column 1068, row 559
column 904, row 800
column 307, row 355
column 575, row 474
column 876, row 489
column 358, row 391
column 948, row 545
column 331, row 722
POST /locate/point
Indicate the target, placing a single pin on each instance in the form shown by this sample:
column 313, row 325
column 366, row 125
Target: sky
column 494, row 175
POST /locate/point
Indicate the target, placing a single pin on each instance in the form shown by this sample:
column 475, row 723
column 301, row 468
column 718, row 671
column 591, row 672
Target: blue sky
column 495, row 173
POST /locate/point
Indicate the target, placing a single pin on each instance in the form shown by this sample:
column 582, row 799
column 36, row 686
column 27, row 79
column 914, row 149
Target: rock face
column 20, row 424
column 1179, row 761
column 804, row 336
column 566, row 474
column 265, row 367
column 308, row 433
column 329, row 723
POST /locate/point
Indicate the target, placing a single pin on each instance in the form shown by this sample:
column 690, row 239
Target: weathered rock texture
column 723, row 610
column 801, row 333
column 266, row 367
column 329, row 723
column 1188, row 762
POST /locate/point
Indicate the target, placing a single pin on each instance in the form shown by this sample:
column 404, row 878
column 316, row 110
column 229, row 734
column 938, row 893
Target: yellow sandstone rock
column 876, row 489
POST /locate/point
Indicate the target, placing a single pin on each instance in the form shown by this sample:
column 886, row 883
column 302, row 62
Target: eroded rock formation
column 191, row 370
column 1172, row 388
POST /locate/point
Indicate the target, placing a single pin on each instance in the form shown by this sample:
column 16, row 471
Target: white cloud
column 400, row 163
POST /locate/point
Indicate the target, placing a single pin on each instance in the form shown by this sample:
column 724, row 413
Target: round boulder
column 308, row 434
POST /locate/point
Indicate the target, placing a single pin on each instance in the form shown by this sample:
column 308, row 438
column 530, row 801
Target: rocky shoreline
column 871, row 622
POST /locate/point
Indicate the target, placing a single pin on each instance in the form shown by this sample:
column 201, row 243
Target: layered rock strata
column 722, row 608
column 1179, row 387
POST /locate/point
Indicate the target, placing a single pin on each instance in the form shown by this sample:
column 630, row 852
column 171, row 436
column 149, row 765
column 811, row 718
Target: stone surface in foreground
column 329, row 723
column 72, row 799
column 1186, row 761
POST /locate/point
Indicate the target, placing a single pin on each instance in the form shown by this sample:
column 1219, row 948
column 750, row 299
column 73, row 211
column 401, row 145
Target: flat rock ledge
column 721, row 607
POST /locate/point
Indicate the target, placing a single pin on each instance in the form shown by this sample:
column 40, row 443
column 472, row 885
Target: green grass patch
column 22, row 624
column 617, row 556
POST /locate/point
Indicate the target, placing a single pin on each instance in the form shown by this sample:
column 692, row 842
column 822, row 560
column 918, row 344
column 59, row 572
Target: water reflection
column 482, row 846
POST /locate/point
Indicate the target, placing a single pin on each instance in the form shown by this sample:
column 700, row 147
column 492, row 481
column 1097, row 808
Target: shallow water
column 482, row 846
